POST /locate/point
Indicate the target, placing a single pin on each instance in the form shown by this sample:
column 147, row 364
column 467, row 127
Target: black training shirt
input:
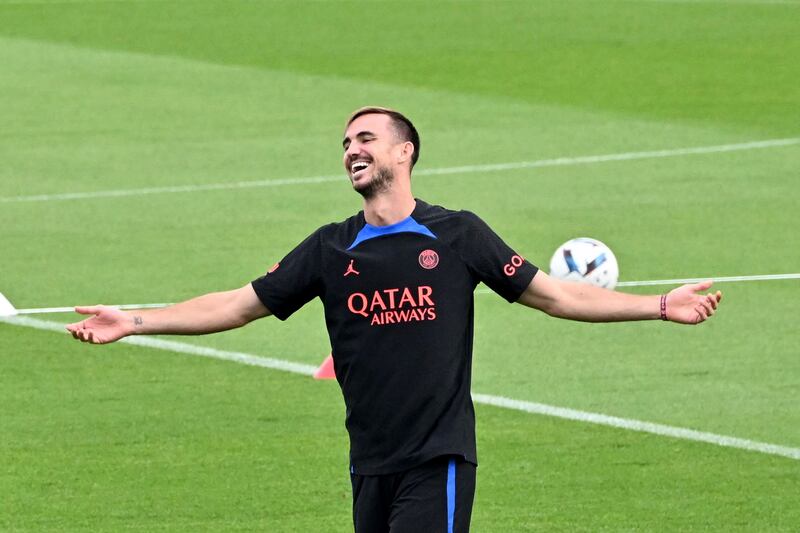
column 399, row 310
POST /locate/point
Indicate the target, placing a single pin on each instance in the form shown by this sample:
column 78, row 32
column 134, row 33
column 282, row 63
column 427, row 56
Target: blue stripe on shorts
column 451, row 494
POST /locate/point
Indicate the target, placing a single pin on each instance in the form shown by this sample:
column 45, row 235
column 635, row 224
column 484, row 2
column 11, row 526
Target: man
column 397, row 282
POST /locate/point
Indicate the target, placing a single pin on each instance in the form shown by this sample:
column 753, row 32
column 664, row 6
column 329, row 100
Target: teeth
column 358, row 166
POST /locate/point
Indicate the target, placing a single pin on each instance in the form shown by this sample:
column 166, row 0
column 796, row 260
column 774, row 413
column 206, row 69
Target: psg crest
column 428, row 259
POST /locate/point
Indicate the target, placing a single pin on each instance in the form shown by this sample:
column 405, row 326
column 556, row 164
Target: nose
column 352, row 150
column 351, row 154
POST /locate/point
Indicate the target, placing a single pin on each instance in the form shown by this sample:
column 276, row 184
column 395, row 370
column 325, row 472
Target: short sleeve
column 294, row 281
column 492, row 261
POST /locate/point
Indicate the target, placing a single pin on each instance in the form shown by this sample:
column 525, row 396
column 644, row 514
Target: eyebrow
column 359, row 135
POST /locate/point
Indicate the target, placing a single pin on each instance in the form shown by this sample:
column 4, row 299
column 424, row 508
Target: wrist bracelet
column 664, row 307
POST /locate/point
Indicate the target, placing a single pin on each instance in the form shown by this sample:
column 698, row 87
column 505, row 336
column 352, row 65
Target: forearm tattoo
column 137, row 321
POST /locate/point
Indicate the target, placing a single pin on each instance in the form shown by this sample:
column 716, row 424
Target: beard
column 381, row 182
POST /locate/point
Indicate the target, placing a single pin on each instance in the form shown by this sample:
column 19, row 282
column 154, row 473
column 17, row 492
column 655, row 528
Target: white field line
column 480, row 290
column 179, row 347
column 723, row 279
column 638, row 425
column 729, row 2
column 48, row 310
column 764, row 277
column 497, row 401
column 170, row 189
column 496, row 167
column 59, row 2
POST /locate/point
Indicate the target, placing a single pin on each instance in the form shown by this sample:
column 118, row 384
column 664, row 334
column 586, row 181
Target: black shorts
column 433, row 497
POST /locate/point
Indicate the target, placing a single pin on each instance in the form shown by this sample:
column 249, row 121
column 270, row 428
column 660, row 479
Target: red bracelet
column 664, row 307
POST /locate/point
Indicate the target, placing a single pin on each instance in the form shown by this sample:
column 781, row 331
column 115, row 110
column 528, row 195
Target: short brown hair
column 402, row 126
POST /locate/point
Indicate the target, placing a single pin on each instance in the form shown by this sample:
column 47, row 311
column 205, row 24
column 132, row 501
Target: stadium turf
column 123, row 96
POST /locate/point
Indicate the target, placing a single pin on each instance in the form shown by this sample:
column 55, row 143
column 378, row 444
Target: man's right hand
column 106, row 324
column 210, row 313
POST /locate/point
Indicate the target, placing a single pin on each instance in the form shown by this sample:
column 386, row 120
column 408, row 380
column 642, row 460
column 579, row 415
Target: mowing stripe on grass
column 480, row 290
column 497, row 401
column 495, row 167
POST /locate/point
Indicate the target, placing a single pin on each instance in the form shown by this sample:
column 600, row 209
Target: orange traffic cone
column 325, row 370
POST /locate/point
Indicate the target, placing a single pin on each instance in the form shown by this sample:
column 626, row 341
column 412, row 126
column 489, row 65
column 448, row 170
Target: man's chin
column 364, row 190
column 357, row 185
column 373, row 184
column 362, row 183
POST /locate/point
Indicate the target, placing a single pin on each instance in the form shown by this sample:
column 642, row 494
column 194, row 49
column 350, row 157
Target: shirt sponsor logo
column 394, row 306
column 510, row 268
column 428, row 259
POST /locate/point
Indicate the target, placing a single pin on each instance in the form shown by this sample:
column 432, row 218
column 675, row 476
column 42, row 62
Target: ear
column 406, row 152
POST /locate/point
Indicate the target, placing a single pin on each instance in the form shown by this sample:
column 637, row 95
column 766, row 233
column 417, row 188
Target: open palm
column 686, row 306
column 106, row 324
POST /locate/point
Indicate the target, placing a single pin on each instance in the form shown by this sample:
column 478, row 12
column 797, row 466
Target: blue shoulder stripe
column 407, row 225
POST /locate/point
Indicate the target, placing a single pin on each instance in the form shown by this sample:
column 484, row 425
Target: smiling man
column 397, row 281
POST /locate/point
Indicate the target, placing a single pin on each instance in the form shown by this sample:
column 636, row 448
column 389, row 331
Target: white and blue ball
column 585, row 260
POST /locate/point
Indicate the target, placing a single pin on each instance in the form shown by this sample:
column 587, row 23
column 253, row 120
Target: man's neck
column 389, row 207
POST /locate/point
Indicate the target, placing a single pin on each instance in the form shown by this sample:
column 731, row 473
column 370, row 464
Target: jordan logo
column 350, row 269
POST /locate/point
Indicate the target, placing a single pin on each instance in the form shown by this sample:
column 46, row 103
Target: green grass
column 641, row 58
column 125, row 438
column 123, row 95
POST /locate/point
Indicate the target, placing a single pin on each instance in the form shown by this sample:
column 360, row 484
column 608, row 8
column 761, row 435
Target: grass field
column 156, row 150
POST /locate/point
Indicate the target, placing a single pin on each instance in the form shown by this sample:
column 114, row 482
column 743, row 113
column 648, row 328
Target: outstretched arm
column 219, row 311
column 579, row 301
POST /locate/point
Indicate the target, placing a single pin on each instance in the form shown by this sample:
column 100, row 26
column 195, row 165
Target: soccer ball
column 585, row 260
